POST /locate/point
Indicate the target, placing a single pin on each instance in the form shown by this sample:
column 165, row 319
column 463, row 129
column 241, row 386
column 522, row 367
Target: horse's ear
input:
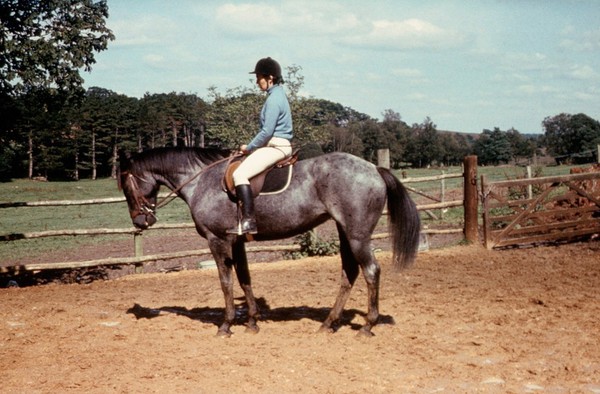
column 124, row 159
column 124, row 165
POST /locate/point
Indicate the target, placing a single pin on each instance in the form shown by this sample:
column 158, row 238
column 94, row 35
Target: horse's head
column 140, row 191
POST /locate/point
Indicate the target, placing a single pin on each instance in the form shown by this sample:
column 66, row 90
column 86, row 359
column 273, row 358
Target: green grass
column 32, row 219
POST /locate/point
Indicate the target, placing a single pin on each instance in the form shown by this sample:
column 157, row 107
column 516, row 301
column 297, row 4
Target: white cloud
column 531, row 89
column 405, row 34
column 417, row 96
column 253, row 20
column 411, row 76
column 585, row 96
column 407, row 73
column 147, row 30
column 154, row 60
column 332, row 22
column 249, row 19
column 587, row 41
column 582, row 72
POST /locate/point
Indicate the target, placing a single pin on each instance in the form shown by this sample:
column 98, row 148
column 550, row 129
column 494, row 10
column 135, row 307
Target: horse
column 338, row 186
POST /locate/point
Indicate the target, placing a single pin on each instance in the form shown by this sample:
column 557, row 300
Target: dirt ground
column 463, row 319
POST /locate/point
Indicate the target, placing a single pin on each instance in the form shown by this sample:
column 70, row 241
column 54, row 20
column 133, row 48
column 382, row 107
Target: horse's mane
column 166, row 160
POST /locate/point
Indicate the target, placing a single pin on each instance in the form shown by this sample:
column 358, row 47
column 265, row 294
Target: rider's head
column 268, row 67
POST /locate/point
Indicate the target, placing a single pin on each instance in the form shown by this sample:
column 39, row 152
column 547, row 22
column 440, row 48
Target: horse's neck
column 177, row 179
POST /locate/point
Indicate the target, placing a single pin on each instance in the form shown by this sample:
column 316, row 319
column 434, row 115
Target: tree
column 567, row 134
column 372, row 136
column 105, row 122
column 423, row 146
column 46, row 43
column 41, row 131
column 453, row 148
column 398, row 133
column 493, row 147
column 232, row 118
column 522, row 147
column 344, row 139
column 172, row 119
column 10, row 113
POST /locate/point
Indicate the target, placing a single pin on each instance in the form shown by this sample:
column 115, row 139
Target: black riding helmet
column 268, row 66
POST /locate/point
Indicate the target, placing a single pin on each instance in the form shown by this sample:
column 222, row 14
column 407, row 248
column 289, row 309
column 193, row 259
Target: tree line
column 51, row 127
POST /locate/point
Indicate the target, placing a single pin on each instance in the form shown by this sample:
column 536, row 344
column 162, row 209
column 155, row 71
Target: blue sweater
column 275, row 119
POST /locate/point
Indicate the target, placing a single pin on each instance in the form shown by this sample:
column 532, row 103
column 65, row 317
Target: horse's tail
column 404, row 223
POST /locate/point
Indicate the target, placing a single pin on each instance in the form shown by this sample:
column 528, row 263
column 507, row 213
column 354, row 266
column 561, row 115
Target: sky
column 467, row 65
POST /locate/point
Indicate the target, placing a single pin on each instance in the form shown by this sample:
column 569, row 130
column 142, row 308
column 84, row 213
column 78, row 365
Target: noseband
column 144, row 207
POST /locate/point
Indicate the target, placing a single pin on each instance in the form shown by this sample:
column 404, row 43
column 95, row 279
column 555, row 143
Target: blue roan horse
column 337, row 186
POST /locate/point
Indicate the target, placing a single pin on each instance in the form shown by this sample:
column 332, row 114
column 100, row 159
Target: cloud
column 331, row 22
column 255, row 20
column 249, row 19
column 147, row 30
column 407, row 73
column 587, row 41
column 531, row 89
column 582, row 72
column 154, row 60
column 411, row 76
column 404, row 35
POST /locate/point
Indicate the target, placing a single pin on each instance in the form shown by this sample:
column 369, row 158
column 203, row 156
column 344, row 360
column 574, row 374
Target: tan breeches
column 261, row 159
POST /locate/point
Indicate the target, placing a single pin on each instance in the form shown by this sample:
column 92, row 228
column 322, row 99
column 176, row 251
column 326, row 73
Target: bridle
column 145, row 207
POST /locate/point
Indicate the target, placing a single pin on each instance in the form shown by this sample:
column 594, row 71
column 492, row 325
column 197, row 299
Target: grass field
column 115, row 215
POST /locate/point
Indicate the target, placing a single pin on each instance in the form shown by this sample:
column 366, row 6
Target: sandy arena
column 463, row 319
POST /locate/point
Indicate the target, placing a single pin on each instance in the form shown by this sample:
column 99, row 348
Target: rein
column 173, row 194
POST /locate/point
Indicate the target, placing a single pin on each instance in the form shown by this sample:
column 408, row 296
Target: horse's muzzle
column 143, row 221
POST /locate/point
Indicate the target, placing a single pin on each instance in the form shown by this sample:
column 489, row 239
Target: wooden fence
column 541, row 209
column 470, row 176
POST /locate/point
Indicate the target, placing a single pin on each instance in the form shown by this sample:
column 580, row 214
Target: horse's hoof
column 252, row 329
column 365, row 332
column 326, row 330
column 224, row 333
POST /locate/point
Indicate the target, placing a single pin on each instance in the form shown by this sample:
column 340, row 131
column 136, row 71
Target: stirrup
column 250, row 227
column 236, row 230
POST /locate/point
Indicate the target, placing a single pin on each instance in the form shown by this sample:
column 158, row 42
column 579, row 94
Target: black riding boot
column 248, row 221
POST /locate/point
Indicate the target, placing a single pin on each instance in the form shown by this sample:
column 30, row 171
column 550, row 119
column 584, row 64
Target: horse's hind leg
column 243, row 274
column 349, row 275
column 371, row 272
column 357, row 252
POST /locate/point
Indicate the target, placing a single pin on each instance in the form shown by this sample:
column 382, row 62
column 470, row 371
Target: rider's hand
column 244, row 149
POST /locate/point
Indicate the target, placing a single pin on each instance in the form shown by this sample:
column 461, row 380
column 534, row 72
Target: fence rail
column 139, row 258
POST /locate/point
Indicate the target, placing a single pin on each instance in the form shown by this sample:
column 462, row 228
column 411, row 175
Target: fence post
column 529, row 187
column 139, row 251
column 471, row 231
column 443, row 195
column 383, row 158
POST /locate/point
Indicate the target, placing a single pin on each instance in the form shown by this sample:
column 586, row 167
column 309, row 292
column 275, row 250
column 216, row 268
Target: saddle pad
column 272, row 181
column 277, row 180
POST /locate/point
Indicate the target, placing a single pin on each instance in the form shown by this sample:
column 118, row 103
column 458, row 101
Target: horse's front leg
column 243, row 274
column 221, row 252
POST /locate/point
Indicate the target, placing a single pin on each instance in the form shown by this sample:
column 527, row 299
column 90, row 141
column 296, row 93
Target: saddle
column 273, row 180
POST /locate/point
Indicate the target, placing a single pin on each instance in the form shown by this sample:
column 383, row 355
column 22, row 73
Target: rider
column 270, row 145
